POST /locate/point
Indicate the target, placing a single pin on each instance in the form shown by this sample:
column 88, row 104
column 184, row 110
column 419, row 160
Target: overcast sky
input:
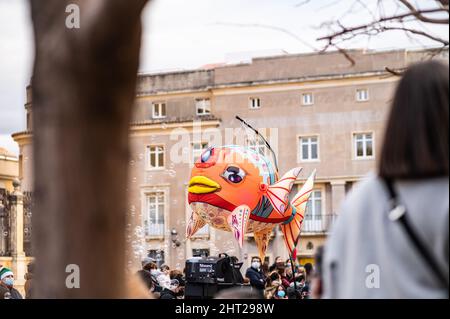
column 181, row 34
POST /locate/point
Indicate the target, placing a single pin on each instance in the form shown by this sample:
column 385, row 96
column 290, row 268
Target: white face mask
column 154, row 272
column 256, row 265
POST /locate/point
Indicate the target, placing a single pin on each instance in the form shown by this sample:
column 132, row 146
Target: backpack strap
column 399, row 213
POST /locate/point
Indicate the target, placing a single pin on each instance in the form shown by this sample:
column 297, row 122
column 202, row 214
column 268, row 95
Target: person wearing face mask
column 281, row 293
column 7, row 290
column 148, row 264
column 273, row 281
column 172, row 291
column 256, row 275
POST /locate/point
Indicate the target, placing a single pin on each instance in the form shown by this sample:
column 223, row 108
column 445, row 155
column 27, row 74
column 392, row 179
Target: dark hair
column 416, row 141
column 308, row 268
column 256, row 257
column 165, row 267
column 146, row 277
column 274, row 275
column 150, row 266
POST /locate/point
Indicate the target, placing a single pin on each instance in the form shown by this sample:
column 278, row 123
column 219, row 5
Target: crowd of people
column 281, row 280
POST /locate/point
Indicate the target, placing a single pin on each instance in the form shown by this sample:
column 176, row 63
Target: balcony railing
column 318, row 223
column 155, row 230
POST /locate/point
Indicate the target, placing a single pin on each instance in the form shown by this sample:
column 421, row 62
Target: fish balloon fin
column 195, row 223
column 238, row 221
column 278, row 193
column 292, row 228
column 262, row 239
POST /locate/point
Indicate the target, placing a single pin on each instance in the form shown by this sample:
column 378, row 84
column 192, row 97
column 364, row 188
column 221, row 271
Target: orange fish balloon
column 236, row 189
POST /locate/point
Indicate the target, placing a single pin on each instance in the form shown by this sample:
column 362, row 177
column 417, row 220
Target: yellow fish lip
column 202, row 185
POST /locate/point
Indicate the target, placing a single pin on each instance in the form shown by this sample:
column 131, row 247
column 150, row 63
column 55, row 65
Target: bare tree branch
column 345, row 30
column 419, row 15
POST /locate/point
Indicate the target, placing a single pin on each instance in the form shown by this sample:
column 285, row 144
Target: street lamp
column 174, row 235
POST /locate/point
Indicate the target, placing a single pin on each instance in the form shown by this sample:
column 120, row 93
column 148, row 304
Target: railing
column 5, row 226
column 318, row 223
column 27, row 226
column 155, row 230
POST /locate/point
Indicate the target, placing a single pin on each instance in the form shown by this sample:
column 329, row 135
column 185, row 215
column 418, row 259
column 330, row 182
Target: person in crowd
column 149, row 265
column 284, row 280
column 277, row 263
column 309, row 269
column 255, row 274
column 373, row 251
column 165, row 269
column 7, row 290
column 178, row 275
column 172, row 291
column 316, row 281
column 280, row 293
column 29, row 280
column 301, row 271
column 289, row 274
column 305, row 291
column 163, row 276
column 295, row 288
column 272, row 283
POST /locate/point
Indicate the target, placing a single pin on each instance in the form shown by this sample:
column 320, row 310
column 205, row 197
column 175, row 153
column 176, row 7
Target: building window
column 159, row 110
column 363, row 143
column 309, row 148
column 155, row 157
column 307, row 99
column 313, row 217
column 157, row 255
column 203, row 106
column 200, row 252
column 362, row 95
column 257, row 144
column 197, row 150
column 254, row 103
column 154, row 219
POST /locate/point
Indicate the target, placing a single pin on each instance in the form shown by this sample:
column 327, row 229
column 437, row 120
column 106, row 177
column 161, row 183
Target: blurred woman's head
column 416, row 141
column 273, row 279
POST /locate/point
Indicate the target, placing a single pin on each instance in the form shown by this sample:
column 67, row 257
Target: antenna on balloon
column 262, row 137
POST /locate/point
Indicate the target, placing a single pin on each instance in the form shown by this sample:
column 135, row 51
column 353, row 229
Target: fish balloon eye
column 207, row 155
column 234, row 174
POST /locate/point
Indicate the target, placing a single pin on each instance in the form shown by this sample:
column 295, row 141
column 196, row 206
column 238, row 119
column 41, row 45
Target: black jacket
column 10, row 293
column 257, row 279
column 167, row 294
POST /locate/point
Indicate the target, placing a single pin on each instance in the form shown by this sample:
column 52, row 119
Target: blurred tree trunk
column 83, row 89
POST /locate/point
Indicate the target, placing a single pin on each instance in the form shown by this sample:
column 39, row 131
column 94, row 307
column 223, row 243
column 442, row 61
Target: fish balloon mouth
column 202, row 185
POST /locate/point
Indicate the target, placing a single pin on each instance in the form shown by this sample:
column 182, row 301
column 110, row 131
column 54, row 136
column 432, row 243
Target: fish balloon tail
column 292, row 227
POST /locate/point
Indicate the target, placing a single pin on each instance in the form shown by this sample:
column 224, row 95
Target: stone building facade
column 317, row 110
